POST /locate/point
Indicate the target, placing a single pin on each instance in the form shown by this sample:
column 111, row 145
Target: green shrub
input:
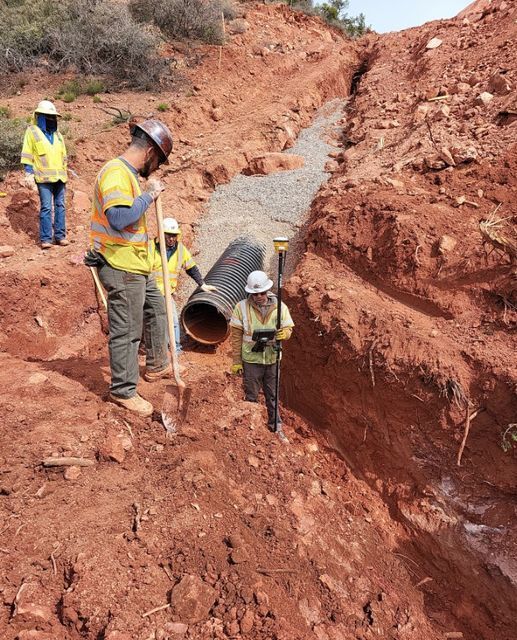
column 71, row 86
column 11, row 140
column 71, row 89
column 94, row 86
column 95, row 36
column 509, row 438
column 162, row 107
column 229, row 10
column 192, row 19
column 97, row 99
column 66, row 117
column 334, row 13
column 5, row 112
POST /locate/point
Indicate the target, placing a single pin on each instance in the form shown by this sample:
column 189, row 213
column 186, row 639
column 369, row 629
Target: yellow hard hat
column 48, row 108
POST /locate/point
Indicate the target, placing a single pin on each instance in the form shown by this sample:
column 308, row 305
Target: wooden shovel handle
column 167, row 288
column 95, row 277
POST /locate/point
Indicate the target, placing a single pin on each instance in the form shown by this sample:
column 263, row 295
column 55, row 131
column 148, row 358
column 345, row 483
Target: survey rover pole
column 281, row 247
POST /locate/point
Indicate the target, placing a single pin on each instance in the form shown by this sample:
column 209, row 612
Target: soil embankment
column 223, row 530
column 407, row 308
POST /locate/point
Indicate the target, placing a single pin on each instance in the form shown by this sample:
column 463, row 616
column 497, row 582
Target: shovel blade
column 175, row 405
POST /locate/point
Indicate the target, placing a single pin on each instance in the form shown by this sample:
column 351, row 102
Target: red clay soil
column 406, row 311
column 230, row 533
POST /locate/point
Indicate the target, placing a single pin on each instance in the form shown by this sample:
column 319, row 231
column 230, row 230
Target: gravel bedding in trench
column 272, row 205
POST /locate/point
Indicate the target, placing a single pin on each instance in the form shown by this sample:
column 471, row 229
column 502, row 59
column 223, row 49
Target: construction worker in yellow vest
column 178, row 257
column 121, row 250
column 45, row 161
column 257, row 361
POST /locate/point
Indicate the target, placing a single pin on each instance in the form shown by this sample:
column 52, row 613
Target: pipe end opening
column 205, row 323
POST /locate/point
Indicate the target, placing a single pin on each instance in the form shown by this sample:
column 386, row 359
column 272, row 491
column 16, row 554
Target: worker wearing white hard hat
column 178, row 258
column 253, row 336
column 45, row 162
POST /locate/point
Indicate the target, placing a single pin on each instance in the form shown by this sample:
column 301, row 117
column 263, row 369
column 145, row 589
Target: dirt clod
column 192, row 599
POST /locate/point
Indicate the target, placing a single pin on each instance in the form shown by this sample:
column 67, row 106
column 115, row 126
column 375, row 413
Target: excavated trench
column 382, row 432
column 394, row 441
column 449, row 554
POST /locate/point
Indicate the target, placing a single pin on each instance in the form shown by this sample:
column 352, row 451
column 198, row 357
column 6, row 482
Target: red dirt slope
column 408, row 326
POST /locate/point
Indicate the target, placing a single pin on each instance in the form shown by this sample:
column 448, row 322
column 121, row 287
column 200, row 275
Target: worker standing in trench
column 121, row 251
column 253, row 334
column 178, row 258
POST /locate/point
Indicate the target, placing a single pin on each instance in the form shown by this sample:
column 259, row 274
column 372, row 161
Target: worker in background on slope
column 121, row 250
column 45, row 161
column 258, row 312
column 178, row 258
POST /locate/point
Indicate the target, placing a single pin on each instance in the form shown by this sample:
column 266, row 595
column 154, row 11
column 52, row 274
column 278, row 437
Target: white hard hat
column 258, row 282
column 48, row 108
column 170, row 225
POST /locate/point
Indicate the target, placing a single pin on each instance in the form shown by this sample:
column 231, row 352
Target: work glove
column 154, row 188
column 236, row 369
column 207, row 287
column 30, row 181
column 283, row 334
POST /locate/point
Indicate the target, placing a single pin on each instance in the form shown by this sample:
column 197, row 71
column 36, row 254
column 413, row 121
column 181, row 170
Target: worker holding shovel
column 258, row 327
column 121, row 252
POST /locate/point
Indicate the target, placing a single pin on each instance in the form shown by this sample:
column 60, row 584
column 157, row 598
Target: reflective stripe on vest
column 127, row 249
column 41, row 167
column 246, row 325
column 247, row 320
column 36, row 134
column 125, row 236
column 178, row 257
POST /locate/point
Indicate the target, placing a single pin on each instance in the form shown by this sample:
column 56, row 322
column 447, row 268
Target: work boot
column 63, row 242
column 136, row 404
column 153, row 376
column 46, row 245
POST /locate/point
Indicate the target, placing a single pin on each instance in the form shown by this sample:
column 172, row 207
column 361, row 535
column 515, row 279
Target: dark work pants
column 134, row 301
column 257, row 377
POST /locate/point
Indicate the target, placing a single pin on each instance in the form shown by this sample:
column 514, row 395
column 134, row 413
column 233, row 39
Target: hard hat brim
column 46, row 112
column 263, row 289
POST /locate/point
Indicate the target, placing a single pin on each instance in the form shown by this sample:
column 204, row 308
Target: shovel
column 174, row 406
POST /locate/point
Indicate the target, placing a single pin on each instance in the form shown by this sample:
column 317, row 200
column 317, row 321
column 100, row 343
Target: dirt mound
column 224, row 506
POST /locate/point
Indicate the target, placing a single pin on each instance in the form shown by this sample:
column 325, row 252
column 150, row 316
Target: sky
column 394, row 15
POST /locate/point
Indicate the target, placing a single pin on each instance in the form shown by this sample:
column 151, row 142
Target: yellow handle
column 167, row 288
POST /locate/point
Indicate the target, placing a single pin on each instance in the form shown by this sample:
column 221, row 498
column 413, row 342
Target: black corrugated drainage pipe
column 206, row 316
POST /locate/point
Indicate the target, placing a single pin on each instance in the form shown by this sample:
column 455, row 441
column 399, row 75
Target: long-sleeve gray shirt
column 122, row 216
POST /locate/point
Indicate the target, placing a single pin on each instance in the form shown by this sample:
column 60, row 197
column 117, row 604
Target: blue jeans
column 49, row 191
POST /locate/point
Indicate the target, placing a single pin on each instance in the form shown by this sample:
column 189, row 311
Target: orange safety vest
column 127, row 250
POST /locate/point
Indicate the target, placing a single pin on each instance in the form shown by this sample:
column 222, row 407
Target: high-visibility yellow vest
column 127, row 250
column 48, row 159
column 181, row 258
column 246, row 317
